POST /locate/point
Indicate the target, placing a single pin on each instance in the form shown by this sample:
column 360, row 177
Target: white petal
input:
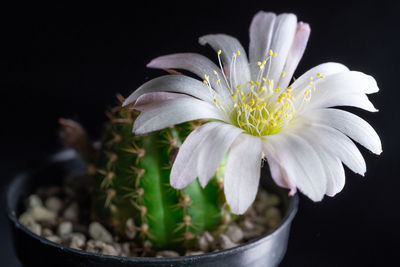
column 229, row 45
column 332, row 165
column 261, row 30
column 172, row 83
column 295, row 53
column 338, row 144
column 184, row 169
column 278, row 172
column 242, row 173
column 173, row 112
column 358, row 100
column 324, row 69
column 282, row 39
column 154, row 100
column 301, row 163
column 340, row 89
column 356, row 128
column 196, row 63
column 214, row 149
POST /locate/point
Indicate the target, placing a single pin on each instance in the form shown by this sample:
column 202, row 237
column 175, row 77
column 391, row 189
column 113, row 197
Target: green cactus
column 132, row 185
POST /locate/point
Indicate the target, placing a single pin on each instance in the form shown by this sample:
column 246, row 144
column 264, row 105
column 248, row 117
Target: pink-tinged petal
column 175, row 111
column 261, row 30
column 154, row 100
column 332, row 165
column 184, row 169
column 277, row 171
column 214, row 149
column 301, row 164
column 337, row 144
column 295, row 53
column 195, row 63
column 351, row 125
column 282, row 39
column 172, row 83
column 242, row 173
column 229, row 45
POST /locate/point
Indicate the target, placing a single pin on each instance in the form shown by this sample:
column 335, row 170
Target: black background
column 63, row 61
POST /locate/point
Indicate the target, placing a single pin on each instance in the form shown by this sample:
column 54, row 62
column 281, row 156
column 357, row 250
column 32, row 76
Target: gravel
column 54, row 213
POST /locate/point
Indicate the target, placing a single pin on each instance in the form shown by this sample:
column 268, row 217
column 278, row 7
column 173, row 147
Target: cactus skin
column 133, row 182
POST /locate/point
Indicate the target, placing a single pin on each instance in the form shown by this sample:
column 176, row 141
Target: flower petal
column 282, row 39
column 154, row 100
column 242, row 173
column 196, row 63
column 278, row 173
column 356, row 128
column 332, row 165
column 338, row 144
column 324, row 69
column 301, row 163
column 295, row 53
column 172, row 83
column 214, row 149
column 184, row 169
column 239, row 69
column 173, row 112
column 358, row 100
column 340, row 89
column 261, row 30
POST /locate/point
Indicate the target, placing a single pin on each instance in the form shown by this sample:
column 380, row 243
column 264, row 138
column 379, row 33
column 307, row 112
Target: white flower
column 256, row 114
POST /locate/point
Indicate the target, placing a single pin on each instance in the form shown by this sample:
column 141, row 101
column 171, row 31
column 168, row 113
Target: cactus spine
column 133, row 186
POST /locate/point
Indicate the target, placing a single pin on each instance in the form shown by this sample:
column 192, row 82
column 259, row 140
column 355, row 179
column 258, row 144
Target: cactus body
column 133, row 186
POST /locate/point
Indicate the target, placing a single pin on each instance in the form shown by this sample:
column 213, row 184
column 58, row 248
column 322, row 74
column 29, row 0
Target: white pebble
column 98, row 246
column 54, row 238
column 34, row 201
column 167, row 254
column 64, row 228
column 54, row 204
column 71, row 213
column 234, row 233
column 194, row 253
column 98, row 232
column 41, row 214
column 225, row 242
column 130, row 228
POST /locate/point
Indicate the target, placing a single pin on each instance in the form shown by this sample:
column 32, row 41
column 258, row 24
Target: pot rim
column 66, row 155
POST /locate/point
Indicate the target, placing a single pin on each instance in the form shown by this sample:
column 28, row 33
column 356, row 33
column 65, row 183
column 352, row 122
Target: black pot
column 33, row 250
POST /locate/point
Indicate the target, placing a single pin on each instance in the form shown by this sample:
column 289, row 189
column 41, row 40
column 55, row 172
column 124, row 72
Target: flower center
column 260, row 107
